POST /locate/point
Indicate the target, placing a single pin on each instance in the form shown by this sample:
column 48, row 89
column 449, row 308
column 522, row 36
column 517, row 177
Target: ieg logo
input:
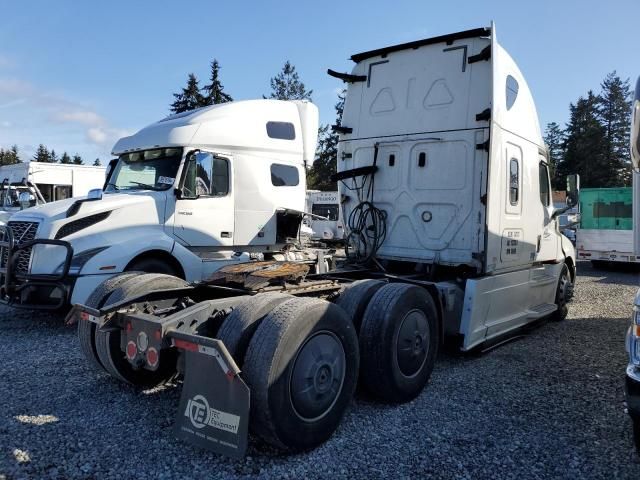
column 198, row 411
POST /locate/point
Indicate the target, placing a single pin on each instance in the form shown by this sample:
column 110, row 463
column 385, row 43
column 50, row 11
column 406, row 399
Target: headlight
column 78, row 261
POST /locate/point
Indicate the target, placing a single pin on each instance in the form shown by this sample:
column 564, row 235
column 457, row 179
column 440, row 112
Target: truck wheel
column 240, row 325
column 398, row 342
column 563, row 295
column 302, row 368
column 108, row 342
column 355, row 298
column 87, row 330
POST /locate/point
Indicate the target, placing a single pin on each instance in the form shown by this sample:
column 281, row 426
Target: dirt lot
column 549, row 405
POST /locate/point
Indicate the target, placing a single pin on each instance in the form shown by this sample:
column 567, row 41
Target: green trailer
column 606, row 225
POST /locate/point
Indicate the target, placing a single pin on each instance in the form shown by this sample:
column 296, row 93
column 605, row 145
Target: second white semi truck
column 444, row 172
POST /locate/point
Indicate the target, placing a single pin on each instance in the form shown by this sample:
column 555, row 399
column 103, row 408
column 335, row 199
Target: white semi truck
column 445, row 174
column 633, row 333
column 43, row 183
column 326, row 220
column 186, row 195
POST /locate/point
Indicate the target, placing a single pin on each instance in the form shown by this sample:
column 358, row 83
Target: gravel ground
column 550, row 405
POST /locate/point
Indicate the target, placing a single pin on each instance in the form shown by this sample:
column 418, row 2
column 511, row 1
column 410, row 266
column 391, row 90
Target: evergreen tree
column 554, row 138
column 53, row 158
column 325, row 164
column 97, row 163
column 41, row 155
column 215, row 91
column 9, row 156
column 77, row 160
column 287, row 85
column 65, row 158
column 614, row 105
column 190, row 97
column 585, row 146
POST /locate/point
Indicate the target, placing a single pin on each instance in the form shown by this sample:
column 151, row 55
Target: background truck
column 633, row 333
column 326, row 216
column 186, row 195
column 606, row 226
column 44, row 182
column 454, row 236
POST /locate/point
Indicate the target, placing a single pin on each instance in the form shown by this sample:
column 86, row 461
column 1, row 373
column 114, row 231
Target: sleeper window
column 514, row 182
column 284, row 175
column 511, row 91
column 544, row 184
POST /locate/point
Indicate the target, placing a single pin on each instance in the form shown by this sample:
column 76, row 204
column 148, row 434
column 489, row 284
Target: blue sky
column 78, row 75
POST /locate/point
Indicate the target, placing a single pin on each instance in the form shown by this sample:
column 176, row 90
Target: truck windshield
column 146, row 170
column 9, row 196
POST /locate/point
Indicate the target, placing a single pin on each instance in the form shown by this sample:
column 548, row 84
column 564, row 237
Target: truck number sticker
column 166, row 180
column 511, row 245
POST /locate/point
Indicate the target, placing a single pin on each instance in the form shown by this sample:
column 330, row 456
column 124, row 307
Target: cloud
column 97, row 135
column 5, row 124
column 83, row 117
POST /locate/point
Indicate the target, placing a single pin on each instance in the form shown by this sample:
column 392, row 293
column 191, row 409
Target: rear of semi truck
column 451, row 232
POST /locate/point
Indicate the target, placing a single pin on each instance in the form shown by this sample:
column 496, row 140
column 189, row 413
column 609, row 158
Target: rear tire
column 87, row 330
column 355, row 298
column 238, row 328
column 108, row 342
column 302, row 368
column 399, row 341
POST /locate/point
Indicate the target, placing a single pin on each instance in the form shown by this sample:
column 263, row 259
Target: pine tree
column 215, row 90
column 65, row 158
column 9, row 156
column 41, row 155
column 53, row 158
column 325, row 164
column 554, row 138
column 77, row 160
column 190, row 98
column 97, row 163
column 287, row 85
column 585, row 146
column 614, row 105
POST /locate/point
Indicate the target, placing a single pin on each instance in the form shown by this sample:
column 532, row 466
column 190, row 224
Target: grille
column 22, row 232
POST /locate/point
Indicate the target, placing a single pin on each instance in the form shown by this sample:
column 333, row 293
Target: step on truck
column 442, row 167
column 185, row 196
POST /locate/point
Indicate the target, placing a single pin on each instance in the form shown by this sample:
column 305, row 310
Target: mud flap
column 214, row 405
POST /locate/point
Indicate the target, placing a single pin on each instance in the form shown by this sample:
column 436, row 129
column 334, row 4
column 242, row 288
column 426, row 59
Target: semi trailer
column 442, row 167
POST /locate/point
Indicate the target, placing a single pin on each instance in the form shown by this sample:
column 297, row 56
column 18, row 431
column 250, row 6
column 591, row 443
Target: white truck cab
column 186, row 195
column 326, row 220
column 441, row 157
column 42, row 183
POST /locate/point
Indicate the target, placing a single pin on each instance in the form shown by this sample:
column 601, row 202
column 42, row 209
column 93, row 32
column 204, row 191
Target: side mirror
column 95, row 194
column 187, row 188
column 635, row 129
column 573, row 190
column 25, row 200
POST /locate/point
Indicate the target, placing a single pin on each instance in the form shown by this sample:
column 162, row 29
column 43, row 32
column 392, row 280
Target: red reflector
column 152, row 357
column 183, row 344
column 129, row 327
column 158, row 335
column 132, row 350
column 84, row 315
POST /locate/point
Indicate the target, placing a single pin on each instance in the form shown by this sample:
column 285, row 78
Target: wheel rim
column 413, row 342
column 317, row 376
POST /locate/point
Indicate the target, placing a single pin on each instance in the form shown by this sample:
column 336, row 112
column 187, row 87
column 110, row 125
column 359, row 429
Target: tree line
column 595, row 141
column 11, row 156
column 285, row 85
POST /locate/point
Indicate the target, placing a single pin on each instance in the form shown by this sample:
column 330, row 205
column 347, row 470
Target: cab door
column 548, row 236
column 204, row 209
